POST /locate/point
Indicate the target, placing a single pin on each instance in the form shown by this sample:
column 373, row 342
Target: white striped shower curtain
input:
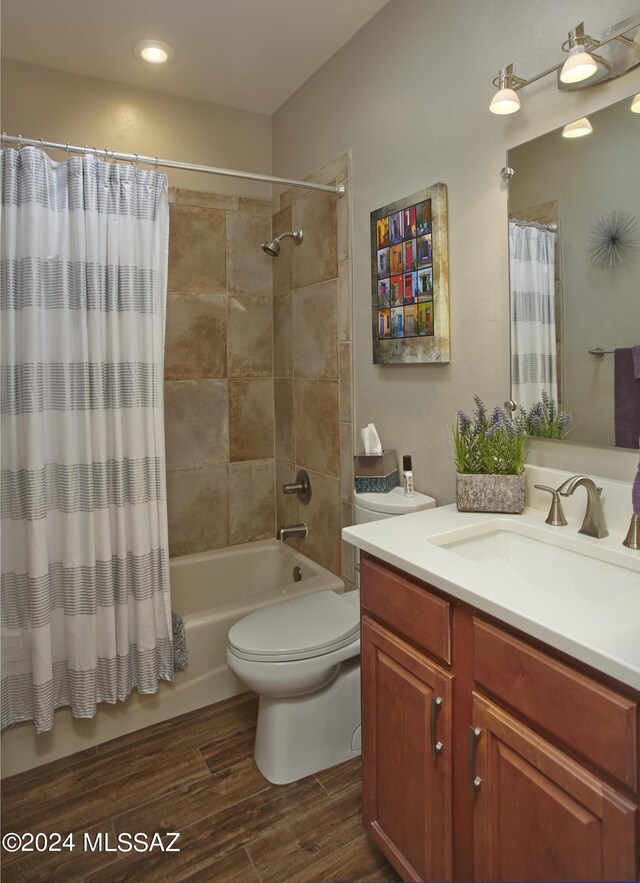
column 86, row 612
column 534, row 360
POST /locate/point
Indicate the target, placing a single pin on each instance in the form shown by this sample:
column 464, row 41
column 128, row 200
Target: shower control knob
column 301, row 486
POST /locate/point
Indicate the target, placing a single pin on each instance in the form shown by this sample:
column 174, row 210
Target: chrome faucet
column 593, row 524
column 291, row 530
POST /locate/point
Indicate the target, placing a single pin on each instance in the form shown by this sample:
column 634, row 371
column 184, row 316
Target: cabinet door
column 538, row 815
column 406, row 748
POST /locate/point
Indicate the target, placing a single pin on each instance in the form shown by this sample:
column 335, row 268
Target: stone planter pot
column 490, row 493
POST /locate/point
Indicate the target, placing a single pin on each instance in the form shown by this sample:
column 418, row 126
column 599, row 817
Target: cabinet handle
column 474, row 781
column 436, row 746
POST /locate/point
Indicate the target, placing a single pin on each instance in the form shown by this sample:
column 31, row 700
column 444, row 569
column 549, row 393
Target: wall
column 312, row 365
column 219, row 423
column 409, row 96
column 589, row 176
column 41, row 103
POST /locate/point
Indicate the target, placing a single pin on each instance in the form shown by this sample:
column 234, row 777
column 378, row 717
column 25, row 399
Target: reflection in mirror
column 575, row 321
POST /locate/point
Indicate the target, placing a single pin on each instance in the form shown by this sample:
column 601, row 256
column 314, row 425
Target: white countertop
column 604, row 635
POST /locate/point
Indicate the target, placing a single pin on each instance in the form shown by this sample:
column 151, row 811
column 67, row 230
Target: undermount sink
column 581, row 570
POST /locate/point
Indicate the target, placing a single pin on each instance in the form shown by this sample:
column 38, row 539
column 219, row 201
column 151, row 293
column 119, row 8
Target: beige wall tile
column 346, row 461
column 282, row 335
column 315, row 330
column 201, row 197
column 255, row 205
column 345, row 306
column 293, row 194
column 251, row 501
column 281, row 223
column 196, row 423
column 196, row 337
column 344, row 358
column 283, row 413
column 348, row 556
column 251, row 419
column 323, row 519
column 248, row 267
column 250, row 323
column 316, row 425
column 286, row 504
column 197, row 250
column 315, row 259
column 343, row 209
column 197, row 509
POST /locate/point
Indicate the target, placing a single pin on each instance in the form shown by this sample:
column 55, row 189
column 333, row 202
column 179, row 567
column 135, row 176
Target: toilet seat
column 299, row 628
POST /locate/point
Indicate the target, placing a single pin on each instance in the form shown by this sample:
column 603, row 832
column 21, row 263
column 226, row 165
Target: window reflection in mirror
column 564, row 304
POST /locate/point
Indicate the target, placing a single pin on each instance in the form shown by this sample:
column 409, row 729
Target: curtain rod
column 550, row 227
column 338, row 190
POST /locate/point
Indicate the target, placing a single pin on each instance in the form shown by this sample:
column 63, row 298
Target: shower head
column 272, row 247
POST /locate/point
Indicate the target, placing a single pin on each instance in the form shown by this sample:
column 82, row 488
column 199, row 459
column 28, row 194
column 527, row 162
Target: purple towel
column 626, row 399
column 635, row 355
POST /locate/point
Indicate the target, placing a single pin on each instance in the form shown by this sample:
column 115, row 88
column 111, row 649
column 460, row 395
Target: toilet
column 302, row 657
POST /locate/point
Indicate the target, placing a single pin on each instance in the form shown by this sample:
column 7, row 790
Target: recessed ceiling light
column 154, row 51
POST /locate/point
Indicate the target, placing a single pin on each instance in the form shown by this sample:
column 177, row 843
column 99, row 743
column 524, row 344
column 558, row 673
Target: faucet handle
column 556, row 515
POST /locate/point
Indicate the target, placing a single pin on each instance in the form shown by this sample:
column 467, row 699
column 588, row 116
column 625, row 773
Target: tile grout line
column 248, row 854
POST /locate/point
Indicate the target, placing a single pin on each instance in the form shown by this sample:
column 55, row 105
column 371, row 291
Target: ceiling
column 249, row 54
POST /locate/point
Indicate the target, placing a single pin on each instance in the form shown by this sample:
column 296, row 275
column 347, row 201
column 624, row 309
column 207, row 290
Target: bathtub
column 211, row 591
column 214, row 590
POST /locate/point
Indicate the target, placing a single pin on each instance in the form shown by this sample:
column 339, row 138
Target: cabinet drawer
column 594, row 720
column 409, row 610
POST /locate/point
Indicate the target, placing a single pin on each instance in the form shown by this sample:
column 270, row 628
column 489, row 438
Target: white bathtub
column 212, row 591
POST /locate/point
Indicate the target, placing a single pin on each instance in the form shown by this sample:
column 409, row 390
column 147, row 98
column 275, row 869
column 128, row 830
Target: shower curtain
column 86, row 613
column 534, row 363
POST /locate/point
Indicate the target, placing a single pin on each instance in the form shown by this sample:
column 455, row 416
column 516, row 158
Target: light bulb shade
column 579, row 66
column 505, row 101
column 577, row 129
column 635, row 104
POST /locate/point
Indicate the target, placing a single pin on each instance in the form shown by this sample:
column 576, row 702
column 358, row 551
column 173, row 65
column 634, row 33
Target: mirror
column 565, row 194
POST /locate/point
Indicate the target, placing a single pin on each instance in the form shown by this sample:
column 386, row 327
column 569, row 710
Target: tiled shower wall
column 312, row 365
column 219, row 420
column 257, row 385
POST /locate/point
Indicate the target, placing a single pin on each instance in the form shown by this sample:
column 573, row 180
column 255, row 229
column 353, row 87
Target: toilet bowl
column 302, row 657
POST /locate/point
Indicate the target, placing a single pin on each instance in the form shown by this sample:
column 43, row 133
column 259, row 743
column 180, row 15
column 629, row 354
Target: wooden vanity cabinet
column 406, row 754
column 536, row 777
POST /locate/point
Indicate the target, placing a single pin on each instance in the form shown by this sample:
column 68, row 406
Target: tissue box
column 376, row 473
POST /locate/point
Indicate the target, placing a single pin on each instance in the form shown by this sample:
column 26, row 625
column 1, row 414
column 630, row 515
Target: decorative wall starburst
column 613, row 239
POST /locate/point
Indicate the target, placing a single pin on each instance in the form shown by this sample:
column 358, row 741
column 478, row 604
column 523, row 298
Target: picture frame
column 410, row 279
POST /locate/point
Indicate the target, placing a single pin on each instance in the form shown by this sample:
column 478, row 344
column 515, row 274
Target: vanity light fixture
column 635, row 104
column 580, row 65
column 154, row 51
column 577, row 129
column 506, row 99
column 618, row 52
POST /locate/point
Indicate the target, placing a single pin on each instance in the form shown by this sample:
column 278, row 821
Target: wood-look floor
column 195, row 775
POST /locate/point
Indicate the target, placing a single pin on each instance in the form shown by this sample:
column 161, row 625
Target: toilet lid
column 297, row 628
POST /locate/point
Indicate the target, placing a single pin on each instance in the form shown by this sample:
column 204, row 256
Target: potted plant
column 490, row 454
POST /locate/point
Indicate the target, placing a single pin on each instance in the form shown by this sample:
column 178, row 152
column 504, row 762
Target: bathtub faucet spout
column 291, row 530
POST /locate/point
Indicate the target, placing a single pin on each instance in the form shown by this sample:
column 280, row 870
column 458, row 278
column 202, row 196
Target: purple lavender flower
column 463, row 422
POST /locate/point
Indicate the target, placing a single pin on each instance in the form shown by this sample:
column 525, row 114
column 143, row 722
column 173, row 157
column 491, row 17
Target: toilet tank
column 374, row 507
